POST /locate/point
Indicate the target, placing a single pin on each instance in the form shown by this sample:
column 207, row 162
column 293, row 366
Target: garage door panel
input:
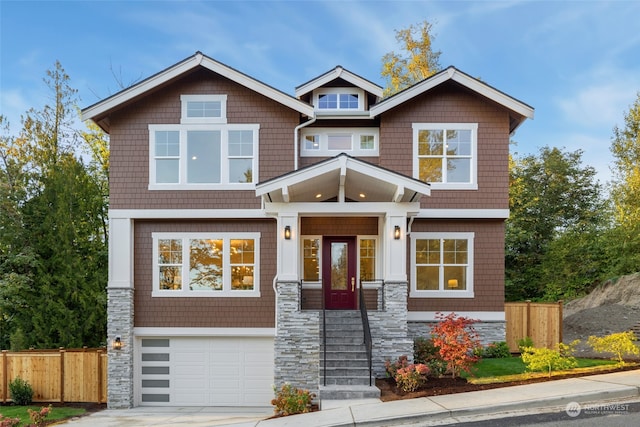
column 206, row 371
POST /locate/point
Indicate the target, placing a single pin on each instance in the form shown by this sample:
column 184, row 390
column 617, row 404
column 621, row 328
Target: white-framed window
column 203, row 109
column 203, row 156
column 446, row 155
column 311, row 259
column 206, row 264
column 333, row 141
column 339, row 99
column 368, row 258
column 442, row 265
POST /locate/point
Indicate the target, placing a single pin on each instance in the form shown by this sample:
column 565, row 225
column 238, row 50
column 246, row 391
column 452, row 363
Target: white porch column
column 120, row 253
column 395, row 256
column 288, row 247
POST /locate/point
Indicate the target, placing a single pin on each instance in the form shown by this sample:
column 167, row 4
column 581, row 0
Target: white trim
column 443, row 293
column 182, row 68
column 343, row 209
column 186, row 99
column 483, row 316
column 339, row 72
column 473, row 156
column 187, row 213
column 452, row 73
column 226, row 291
column 355, row 133
column 464, row 213
column 203, row 332
column 338, row 91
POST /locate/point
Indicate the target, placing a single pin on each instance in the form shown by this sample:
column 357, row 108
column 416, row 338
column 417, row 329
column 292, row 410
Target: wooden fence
column 57, row 375
column 542, row 322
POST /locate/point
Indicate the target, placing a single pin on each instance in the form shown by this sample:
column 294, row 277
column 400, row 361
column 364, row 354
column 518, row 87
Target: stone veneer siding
column 120, row 362
column 389, row 331
column 488, row 332
column 297, row 342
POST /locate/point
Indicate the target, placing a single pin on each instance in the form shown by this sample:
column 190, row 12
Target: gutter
column 295, row 141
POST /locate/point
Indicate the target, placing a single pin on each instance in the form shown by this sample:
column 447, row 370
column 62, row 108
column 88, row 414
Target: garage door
column 197, row 371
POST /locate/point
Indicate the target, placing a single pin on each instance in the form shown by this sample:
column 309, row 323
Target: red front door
column 339, row 272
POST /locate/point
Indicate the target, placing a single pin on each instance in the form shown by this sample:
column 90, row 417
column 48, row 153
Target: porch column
column 120, row 314
column 395, row 249
column 288, row 239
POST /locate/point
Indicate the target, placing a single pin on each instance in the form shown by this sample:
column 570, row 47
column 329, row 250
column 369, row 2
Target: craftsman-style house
column 258, row 238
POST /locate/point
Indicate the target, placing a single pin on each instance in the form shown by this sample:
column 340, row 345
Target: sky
column 576, row 62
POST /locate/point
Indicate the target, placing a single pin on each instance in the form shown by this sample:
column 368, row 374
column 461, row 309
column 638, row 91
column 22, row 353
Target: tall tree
column 551, row 195
column 53, row 267
column 417, row 59
column 625, row 193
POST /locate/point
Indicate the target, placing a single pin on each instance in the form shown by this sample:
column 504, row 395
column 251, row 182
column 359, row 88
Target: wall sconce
column 396, row 232
column 116, row 344
column 452, row 283
column 287, row 232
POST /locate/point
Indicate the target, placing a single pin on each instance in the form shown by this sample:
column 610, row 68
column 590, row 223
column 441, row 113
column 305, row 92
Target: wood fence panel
column 57, row 375
column 542, row 322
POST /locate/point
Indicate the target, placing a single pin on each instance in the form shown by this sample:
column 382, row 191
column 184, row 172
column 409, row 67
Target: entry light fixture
column 396, row 232
column 116, row 344
column 287, row 232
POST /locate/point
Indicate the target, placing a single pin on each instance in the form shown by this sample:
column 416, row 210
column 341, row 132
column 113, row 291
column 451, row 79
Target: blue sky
column 576, row 62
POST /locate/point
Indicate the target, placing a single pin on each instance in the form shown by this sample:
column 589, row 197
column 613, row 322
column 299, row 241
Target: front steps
column 347, row 367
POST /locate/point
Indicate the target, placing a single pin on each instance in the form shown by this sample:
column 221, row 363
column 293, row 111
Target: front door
column 339, row 272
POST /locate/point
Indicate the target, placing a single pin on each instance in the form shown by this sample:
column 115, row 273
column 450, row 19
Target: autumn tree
column 416, row 61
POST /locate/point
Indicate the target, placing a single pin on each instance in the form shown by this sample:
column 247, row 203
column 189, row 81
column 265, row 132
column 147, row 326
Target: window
column 446, row 155
column 186, row 265
column 204, row 108
column 202, row 156
column 339, row 99
column 442, row 265
column 332, row 141
column 367, row 259
column 311, row 259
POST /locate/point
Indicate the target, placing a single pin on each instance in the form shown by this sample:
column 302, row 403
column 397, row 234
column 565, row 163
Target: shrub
column 410, row 378
column 9, row 422
column 21, row 392
column 425, row 352
column 525, row 342
column 545, row 359
column 392, row 368
column 457, row 340
column 38, row 418
column 619, row 344
column 291, row 400
column 497, row 350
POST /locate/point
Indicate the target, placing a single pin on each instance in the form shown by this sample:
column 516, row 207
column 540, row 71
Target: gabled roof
column 100, row 109
column 339, row 73
column 342, row 178
column 522, row 110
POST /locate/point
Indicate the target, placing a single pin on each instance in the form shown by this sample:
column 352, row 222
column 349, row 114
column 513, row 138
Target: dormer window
column 339, row 99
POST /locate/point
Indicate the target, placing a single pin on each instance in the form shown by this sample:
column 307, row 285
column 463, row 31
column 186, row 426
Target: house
column 244, row 221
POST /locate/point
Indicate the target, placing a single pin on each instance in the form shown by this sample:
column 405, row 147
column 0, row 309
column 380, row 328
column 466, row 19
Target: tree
column 53, row 248
column 550, row 195
column 417, row 62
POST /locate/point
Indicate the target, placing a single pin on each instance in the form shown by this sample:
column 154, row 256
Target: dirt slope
column 610, row 308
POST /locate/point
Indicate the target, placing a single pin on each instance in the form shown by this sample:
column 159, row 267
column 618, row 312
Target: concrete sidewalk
column 613, row 388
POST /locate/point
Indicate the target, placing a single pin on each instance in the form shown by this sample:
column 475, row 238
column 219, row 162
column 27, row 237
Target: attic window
column 204, row 109
column 339, row 99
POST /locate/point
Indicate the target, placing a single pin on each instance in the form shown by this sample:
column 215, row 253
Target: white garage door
column 197, row 371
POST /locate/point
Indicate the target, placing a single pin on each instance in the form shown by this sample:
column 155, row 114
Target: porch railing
column 324, row 340
column 367, row 330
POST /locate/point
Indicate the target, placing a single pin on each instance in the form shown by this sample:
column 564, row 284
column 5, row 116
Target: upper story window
column 446, row 155
column 339, row 99
column 442, row 265
column 204, row 109
column 207, row 265
column 203, row 156
column 321, row 142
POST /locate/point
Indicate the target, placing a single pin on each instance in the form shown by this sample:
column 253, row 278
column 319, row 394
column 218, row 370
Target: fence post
column 560, row 321
column 5, row 380
column 100, row 374
column 528, row 318
column 62, row 375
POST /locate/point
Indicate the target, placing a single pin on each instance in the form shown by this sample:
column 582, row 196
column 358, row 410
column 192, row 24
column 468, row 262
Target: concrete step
column 341, row 392
column 343, row 347
column 346, row 380
column 346, row 372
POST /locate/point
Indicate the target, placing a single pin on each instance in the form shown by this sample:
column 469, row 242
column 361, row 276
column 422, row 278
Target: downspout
column 295, row 141
column 275, row 291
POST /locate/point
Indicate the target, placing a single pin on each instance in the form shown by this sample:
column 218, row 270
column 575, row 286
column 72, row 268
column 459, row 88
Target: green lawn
column 57, row 413
column 514, row 366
